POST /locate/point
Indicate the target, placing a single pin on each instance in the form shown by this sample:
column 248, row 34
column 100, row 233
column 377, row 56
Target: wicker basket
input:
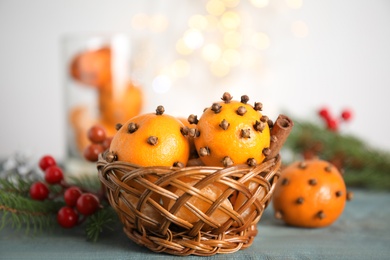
column 148, row 201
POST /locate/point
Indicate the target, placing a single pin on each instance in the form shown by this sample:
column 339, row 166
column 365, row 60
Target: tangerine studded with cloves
column 153, row 139
column 232, row 132
column 309, row 193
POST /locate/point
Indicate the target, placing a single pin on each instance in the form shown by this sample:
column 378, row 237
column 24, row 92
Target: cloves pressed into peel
column 321, row 214
column 118, row 126
column 241, row 110
column 300, row 200
column 192, row 132
column 132, row 127
column 152, row 140
column 160, row 110
column 204, row 151
column 339, row 193
column 226, row 97
column 328, row 168
column 244, row 99
column 312, row 182
column 227, row 161
column 111, row 156
column 178, row 164
column 245, row 133
column 224, row 124
column 184, row 130
column 259, row 126
column 266, row 151
column 216, row 108
column 193, row 119
column 285, row 181
column 302, row 165
column 258, row 106
column 251, row 162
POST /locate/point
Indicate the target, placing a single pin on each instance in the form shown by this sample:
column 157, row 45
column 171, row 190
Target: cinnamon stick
column 279, row 133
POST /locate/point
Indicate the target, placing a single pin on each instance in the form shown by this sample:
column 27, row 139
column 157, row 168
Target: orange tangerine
column 92, row 67
column 311, row 193
column 153, row 139
column 119, row 107
column 232, row 132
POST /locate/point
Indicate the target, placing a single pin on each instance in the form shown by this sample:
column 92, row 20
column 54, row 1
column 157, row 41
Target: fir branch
column 102, row 220
column 87, row 182
column 21, row 212
column 15, row 185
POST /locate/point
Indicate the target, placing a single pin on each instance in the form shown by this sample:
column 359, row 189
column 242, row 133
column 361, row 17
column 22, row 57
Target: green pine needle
column 20, row 212
column 102, row 220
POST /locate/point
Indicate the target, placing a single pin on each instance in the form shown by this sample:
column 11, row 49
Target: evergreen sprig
column 363, row 165
column 104, row 219
column 19, row 211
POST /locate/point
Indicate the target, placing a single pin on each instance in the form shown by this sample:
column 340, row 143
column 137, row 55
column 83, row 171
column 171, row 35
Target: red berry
column 332, row 124
column 92, row 151
column 46, row 161
column 54, row 175
column 97, row 134
column 87, row 204
column 106, row 143
column 324, row 113
column 346, row 115
column 71, row 195
column 67, row 217
column 39, row 191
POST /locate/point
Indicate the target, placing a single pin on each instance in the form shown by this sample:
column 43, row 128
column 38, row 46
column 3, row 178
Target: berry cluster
column 333, row 123
column 77, row 201
column 99, row 142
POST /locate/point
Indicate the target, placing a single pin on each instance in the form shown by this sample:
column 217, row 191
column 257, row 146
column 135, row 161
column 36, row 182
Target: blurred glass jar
column 99, row 89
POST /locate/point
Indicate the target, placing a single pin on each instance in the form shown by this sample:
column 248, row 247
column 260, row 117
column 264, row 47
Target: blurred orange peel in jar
column 115, row 104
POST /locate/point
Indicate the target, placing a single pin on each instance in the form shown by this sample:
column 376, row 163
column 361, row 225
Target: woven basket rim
column 189, row 239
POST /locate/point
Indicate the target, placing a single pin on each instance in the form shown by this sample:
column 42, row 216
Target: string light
column 224, row 38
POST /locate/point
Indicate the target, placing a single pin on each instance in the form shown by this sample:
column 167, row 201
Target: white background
column 344, row 61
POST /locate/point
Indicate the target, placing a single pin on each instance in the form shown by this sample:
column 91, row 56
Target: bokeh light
column 193, row 39
column 230, row 20
column 259, row 3
column 294, row 4
column 299, row 29
column 215, row 7
column 162, row 84
column 260, row 41
column 211, row 52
